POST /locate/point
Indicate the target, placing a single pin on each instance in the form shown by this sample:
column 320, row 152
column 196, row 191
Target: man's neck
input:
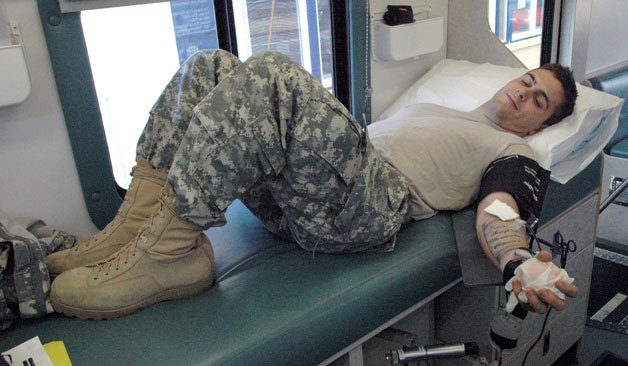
column 485, row 110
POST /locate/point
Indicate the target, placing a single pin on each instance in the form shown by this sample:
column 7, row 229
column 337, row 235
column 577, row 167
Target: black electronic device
column 505, row 330
column 398, row 14
column 505, row 327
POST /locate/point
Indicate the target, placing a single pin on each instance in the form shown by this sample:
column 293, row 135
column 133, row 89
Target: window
column 300, row 29
column 519, row 24
column 132, row 62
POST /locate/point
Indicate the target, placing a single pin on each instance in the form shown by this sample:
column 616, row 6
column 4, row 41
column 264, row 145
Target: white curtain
column 69, row 6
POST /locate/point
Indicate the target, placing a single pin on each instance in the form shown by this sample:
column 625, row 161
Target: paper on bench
column 31, row 349
column 58, row 354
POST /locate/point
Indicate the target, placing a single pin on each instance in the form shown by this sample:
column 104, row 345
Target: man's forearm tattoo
column 501, row 238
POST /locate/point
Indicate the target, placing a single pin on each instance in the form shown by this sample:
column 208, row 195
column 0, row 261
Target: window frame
column 227, row 39
column 77, row 92
column 550, row 35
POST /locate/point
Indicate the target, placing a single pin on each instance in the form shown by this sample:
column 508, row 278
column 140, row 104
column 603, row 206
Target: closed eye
column 541, row 100
column 528, row 80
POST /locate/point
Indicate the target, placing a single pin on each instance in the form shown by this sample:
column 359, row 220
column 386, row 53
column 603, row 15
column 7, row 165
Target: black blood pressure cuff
column 520, row 176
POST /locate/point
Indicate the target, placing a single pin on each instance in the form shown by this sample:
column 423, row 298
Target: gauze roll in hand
column 535, row 274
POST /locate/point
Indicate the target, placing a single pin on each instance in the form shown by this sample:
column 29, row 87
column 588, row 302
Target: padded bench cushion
column 620, row 149
column 273, row 303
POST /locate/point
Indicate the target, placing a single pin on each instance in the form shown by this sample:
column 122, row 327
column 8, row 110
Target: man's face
column 523, row 104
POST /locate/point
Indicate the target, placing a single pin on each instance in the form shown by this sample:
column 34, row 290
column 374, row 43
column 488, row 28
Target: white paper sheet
column 31, row 352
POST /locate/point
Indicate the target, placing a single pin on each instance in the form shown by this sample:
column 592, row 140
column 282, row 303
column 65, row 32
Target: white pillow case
column 565, row 148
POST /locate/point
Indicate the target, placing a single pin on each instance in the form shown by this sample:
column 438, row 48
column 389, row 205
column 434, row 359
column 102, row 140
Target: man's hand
column 539, row 301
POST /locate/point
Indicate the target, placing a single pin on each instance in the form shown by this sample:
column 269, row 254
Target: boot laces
column 103, row 233
column 123, row 255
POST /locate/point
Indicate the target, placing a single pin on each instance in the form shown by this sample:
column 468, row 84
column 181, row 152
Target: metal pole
column 614, row 195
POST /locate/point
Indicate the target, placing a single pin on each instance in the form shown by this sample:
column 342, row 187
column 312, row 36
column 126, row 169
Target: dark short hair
column 565, row 77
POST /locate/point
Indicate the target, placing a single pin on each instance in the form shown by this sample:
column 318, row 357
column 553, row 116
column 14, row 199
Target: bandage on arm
column 520, row 184
column 499, row 238
column 504, row 241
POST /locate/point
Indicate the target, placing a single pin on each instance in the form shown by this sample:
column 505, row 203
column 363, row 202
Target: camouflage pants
column 269, row 134
column 171, row 114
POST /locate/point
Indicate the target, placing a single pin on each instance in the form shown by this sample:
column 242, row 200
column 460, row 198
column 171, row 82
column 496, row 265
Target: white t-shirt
column 443, row 153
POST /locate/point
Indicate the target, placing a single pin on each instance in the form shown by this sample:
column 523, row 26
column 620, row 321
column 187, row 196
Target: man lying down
column 266, row 132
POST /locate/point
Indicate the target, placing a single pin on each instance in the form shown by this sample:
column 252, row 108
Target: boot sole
column 171, row 294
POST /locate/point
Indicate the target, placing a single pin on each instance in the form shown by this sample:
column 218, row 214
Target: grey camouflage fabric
column 24, row 279
column 269, row 134
column 168, row 119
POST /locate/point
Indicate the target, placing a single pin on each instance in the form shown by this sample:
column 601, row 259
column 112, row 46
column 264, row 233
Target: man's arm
column 502, row 244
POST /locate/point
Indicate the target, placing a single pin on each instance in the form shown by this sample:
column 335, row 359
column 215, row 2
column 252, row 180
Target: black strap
column 520, row 176
column 509, row 272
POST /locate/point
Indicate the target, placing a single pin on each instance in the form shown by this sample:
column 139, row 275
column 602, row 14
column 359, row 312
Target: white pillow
column 565, row 148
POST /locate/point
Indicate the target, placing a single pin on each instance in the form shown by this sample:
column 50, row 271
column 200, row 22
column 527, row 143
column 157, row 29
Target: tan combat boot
column 139, row 203
column 169, row 259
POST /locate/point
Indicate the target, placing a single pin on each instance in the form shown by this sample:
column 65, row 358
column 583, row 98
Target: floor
column 596, row 341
